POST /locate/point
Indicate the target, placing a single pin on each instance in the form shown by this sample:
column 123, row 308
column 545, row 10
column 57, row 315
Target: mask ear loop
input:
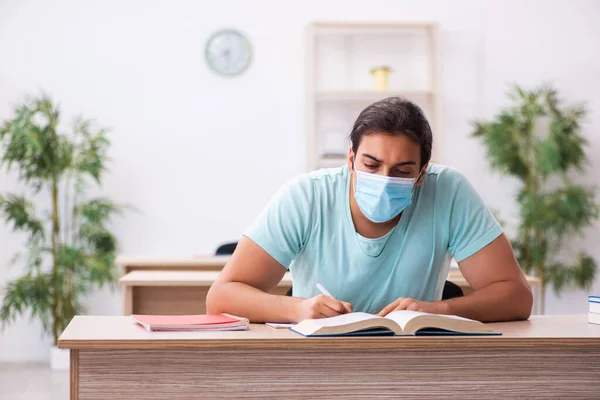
column 352, row 184
column 416, row 180
column 418, row 176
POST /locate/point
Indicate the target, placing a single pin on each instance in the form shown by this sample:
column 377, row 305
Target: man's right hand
column 321, row 306
column 243, row 287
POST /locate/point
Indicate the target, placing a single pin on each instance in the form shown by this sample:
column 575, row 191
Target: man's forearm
column 246, row 301
column 500, row 301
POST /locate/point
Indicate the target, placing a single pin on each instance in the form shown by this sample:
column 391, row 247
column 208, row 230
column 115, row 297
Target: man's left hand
column 404, row 303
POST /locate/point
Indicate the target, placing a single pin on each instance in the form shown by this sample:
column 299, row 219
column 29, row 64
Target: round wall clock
column 228, row 52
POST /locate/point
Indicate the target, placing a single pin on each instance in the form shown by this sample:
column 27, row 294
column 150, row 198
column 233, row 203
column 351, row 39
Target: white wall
column 201, row 155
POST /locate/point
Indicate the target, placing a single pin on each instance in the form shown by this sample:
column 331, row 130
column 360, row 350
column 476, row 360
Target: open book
column 395, row 323
column 218, row 322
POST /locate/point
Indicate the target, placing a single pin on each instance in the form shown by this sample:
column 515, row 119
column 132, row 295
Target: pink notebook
column 218, row 322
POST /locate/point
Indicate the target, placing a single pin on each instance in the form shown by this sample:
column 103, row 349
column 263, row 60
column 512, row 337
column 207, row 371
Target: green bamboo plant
column 69, row 248
column 538, row 141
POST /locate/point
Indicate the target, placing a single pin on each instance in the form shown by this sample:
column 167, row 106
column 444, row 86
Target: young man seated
column 377, row 233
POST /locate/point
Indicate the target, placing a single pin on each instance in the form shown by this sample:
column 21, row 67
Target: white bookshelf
column 339, row 57
column 367, row 95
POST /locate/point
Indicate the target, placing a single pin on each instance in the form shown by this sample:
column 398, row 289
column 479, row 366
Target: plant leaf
column 97, row 211
column 19, row 212
column 584, row 271
column 31, row 292
column 33, row 144
column 91, row 150
column 95, row 237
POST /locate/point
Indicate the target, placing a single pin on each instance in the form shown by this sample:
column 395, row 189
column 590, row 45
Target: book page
column 278, row 325
column 310, row 326
column 404, row 316
column 345, row 323
column 343, row 319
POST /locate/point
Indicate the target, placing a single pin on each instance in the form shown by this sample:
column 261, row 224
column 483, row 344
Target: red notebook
column 218, row 322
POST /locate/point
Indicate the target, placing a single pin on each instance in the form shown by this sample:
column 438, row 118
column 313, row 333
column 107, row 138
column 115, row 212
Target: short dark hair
column 394, row 116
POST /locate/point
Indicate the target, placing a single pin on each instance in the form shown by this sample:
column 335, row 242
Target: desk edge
column 336, row 343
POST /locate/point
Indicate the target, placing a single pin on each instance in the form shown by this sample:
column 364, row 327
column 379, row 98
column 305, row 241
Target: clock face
column 228, row 52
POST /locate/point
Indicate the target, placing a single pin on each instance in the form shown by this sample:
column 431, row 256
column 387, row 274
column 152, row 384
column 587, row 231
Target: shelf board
column 331, row 162
column 350, row 29
column 368, row 96
column 373, row 25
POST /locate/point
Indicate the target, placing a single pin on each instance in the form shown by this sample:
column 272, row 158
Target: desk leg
column 74, row 381
column 127, row 300
column 537, row 300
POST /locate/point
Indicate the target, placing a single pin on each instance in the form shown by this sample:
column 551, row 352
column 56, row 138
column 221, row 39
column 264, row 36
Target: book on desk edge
column 397, row 323
column 594, row 310
column 594, row 304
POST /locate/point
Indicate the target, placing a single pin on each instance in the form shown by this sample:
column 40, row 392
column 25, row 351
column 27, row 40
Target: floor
column 28, row 381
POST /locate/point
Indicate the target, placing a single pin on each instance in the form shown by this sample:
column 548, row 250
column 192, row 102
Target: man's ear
column 422, row 174
column 350, row 159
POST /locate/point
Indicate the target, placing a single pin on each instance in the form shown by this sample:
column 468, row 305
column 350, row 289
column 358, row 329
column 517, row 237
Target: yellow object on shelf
column 380, row 78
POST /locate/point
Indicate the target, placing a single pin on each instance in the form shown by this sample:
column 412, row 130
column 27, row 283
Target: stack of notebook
column 219, row 322
column 594, row 314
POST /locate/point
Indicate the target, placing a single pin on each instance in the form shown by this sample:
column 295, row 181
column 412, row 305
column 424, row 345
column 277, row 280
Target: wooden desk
column 212, row 263
column 546, row 357
column 173, row 292
column 179, row 286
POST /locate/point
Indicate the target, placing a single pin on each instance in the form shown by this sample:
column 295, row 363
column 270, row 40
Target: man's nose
column 385, row 171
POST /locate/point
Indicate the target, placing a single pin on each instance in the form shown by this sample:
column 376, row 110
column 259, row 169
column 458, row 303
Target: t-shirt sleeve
column 283, row 227
column 472, row 225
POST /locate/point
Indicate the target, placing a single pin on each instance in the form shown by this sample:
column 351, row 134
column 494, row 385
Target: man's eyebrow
column 397, row 165
column 406, row 163
column 372, row 157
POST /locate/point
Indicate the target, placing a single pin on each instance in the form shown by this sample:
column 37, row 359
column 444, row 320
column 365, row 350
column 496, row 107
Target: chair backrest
column 226, row 249
column 451, row 290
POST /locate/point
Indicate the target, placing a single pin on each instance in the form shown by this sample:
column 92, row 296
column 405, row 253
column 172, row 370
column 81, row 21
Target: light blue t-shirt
column 307, row 227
